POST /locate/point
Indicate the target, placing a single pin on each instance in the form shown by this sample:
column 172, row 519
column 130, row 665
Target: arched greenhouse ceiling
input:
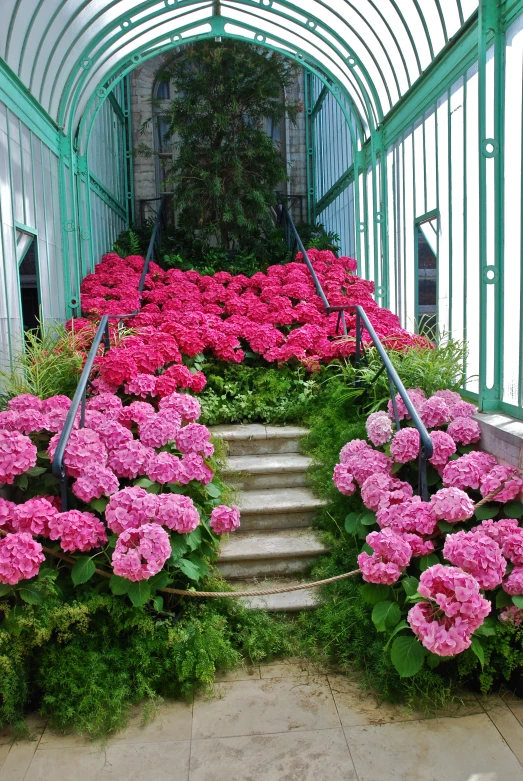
column 66, row 51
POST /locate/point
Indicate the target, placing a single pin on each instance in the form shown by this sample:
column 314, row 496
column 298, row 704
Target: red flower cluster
column 277, row 315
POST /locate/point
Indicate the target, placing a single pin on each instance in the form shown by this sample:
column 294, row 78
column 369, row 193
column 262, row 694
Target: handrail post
column 423, row 489
column 394, row 402
column 358, row 338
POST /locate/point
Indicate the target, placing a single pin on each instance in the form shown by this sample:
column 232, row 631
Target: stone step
column 257, row 439
column 257, row 472
column 288, row 602
column 278, row 508
column 254, row 554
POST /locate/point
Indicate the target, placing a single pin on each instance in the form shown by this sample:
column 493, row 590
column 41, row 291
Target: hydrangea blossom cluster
column 391, row 555
column 379, row 428
column 17, row 455
column 141, row 553
column 478, row 555
column 20, row 558
column 225, row 519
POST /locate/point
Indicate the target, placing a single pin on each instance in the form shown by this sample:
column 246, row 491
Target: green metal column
column 490, row 32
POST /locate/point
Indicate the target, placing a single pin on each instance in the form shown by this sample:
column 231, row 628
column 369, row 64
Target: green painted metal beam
column 336, row 190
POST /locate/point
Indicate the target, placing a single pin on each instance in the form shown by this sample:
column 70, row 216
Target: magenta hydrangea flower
column 130, row 460
column 157, row 431
column 164, row 468
column 379, row 428
column 513, row 585
column 513, row 546
column 497, row 530
column 55, row 419
column 193, row 438
column 417, row 397
column 34, row 516
column 142, row 385
column 464, row 431
column 444, row 447
column 7, row 514
column 17, row 455
column 9, row 420
column 185, row 405
column 372, row 462
column 25, row 401
column 467, row 471
column 405, row 445
column 137, row 412
column 193, row 467
column 352, row 448
column 456, row 593
column 503, row 479
column 84, row 447
column 225, row 519
column 462, row 409
column 177, row 512
column 141, row 553
column 112, row 433
column 452, row 505
column 96, row 481
column 391, row 555
column 108, row 403
column 511, row 615
column 20, row 558
column 451, row 398
column 413, row 516
column 30, row 420
column 434, row 412
column 418, row 545
column 56, row 402
column 441, row 637
column 77, row 531
column 130, row 508
column 380, row 491
column 344, row 479
column 478, row 555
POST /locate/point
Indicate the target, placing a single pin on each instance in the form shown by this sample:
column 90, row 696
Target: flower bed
column 146, row 504
column 277, row 316
column 440, row 574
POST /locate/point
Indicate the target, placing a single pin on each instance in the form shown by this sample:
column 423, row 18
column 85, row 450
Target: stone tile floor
column 285, row 722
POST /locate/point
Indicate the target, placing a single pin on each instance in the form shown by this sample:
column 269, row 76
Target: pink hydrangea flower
column 452, row 505
column 390, row 547
column 444, row 448
column 137, row 412
column 141, row 553
column 478, row 555
column 462, row 409
column 380, row 491
column 413, row 516
column 30, row 420
column 505, row 480
column 25, row 401
column 344, row 479
column 374, row 570
column 464, row 431
column 112, row 433
column 442, row 637
column 511, row 615
column 434, row 412
column 20, row 558
column 56, row 402
column 84, row 447
column 225, row 519
column 130, row 460
column 130, row 508
column 405, row 445
column 17, row 455
column 379, row 428
column 513, row 585
column 157, row 431
column 467, row 471
column 513, row 546
column 55, row 419
column 193, row 467
column 177, row 512
column 34, row 516
column 108, row 403
column 96, row 481
column 185, row 405
column 164, row 468
column 7, row 514
column 352, row 448
column 193, row 438
column 417, row 397
column 497, row 530
column 142, row 385
column 9, row 420
column 456, row 593
column 77, row 531
column 418, row 545
column 451, row 398
column 372, row 462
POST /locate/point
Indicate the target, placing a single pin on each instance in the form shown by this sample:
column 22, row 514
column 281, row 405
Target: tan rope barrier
column 258, row 592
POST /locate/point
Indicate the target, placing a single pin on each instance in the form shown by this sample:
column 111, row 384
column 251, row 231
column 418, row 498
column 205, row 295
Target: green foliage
column 48, row 364
column 83, row 662
column 315, row 236
column 134, row 241
column 239, row 393
column 226, row 168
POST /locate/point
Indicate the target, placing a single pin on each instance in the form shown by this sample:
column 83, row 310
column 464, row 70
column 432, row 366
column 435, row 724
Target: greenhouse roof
column 66, row 51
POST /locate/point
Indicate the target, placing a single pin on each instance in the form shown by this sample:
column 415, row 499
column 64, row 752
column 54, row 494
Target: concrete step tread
column 288, row 543
column 278, row 500
column 267, row 464
column 252, row 431
column 288, row 602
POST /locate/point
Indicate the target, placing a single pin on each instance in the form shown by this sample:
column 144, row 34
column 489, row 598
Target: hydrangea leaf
column 446, row 528
column 83, row 570
column 385, row 615
column 99, row 504
column 178, row 547
column 158, row 603
column 189, row 569
column 31, row 594
column 428, row 561
column 410, row 584
column 4, row 589
column 194, row 539
column 214, row 491
column 352, row 523
column 139, row 592
column 407, row 655
column 513, row 509
column 374, row 592
column 486, row 512
column 518, row 601
column 503, row 599
column 478, row 649
column 119, row 585
column 488, row 627
column 368, row 518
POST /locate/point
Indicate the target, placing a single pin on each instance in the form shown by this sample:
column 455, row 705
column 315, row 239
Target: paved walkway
column 285, row 722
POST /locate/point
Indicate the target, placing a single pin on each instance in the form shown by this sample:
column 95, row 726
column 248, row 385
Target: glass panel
column 427, row 278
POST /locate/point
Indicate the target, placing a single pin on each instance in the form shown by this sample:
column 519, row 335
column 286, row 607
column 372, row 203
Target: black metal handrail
column 362, row 321
column 102, row 334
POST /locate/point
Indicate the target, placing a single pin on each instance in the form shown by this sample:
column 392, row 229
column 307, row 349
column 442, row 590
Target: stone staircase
column 275, row 544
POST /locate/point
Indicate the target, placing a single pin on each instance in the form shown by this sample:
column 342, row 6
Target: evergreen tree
column 226, row 168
